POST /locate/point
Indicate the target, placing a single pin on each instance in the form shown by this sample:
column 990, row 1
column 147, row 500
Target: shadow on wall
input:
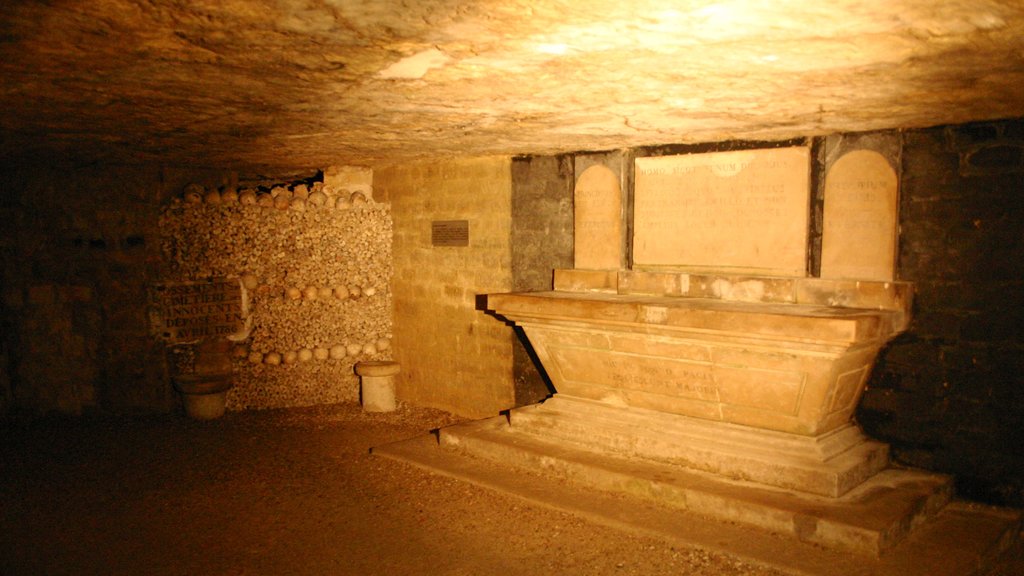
column 530, row 380
column 949, row 395
column 5, row 377
column 530, row 388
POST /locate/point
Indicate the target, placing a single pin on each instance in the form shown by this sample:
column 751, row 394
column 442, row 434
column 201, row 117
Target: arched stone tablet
column 859, row 236
column 598, row 220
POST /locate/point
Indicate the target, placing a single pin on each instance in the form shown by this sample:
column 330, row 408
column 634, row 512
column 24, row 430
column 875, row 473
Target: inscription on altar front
column 743, row 210
column 188, row 311
column 655, row 375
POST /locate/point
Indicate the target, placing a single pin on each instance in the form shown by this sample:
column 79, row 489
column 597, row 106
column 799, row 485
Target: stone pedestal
column 205, row 396
column 202, row 373
column 377, row 385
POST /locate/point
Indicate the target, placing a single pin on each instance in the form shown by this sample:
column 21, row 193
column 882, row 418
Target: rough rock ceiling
column 289, row 86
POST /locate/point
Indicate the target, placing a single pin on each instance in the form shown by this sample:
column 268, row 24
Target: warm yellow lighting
column 717, row 13
column 553, row 49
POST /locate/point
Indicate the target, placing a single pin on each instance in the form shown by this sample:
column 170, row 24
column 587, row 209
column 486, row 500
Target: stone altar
column 761, row 389
column 750, row 376
column 726, row 392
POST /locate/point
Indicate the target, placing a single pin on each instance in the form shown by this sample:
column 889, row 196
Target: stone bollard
column 202, row 373
column 204, row 397
column 378, row 385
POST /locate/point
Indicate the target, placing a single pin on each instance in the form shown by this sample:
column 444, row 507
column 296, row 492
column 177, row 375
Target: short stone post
column 377, row 385
column 202, row 373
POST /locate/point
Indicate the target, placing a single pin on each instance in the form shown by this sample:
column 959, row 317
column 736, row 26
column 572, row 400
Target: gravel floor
column 284, row 492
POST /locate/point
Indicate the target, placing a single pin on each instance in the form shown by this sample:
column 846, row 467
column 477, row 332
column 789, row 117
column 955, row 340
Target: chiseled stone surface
column 295, row 85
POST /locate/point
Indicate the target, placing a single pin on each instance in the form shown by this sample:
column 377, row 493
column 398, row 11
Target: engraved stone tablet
column 189, row 311
column 598, row 220
column 859, row 236
column 744, row 211
column 449, row 233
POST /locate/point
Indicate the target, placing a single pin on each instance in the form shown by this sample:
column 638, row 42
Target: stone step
column 829, row 465
column 959, row 539
column 870, row 519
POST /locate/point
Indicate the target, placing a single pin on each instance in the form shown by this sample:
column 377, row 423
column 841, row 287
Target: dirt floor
column 284, row 492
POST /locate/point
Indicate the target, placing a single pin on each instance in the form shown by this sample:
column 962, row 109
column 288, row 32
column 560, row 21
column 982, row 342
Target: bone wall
column 315, row 262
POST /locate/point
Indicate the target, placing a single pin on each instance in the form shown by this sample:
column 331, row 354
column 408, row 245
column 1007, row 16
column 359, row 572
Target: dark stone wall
column 949, row 394
column 79, row 247
column 541, row 238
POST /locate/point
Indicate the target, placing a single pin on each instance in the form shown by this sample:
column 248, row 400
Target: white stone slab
column 743, row 211
column 859, row 238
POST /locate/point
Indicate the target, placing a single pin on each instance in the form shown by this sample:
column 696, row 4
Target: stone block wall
column 78, row 250
column 949, row 394
column 453, row 356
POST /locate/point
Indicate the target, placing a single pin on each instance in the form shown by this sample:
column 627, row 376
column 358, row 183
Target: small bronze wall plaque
column 449, row 233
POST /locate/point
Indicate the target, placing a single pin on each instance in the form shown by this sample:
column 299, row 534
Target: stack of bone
column 315, row 261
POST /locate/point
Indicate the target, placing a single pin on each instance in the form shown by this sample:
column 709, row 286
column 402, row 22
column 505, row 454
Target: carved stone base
column 897, row 523
column 725, row 472
column 829, row 465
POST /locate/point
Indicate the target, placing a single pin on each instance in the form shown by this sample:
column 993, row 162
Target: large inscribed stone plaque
column 189, row 311
column 859, row 236
column 597, row 221
column 744, row 211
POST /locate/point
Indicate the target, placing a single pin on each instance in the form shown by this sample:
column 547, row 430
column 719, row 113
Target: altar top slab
column 795, row 322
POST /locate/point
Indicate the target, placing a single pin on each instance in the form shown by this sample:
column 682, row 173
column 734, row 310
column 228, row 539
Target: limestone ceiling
column 289, row 86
